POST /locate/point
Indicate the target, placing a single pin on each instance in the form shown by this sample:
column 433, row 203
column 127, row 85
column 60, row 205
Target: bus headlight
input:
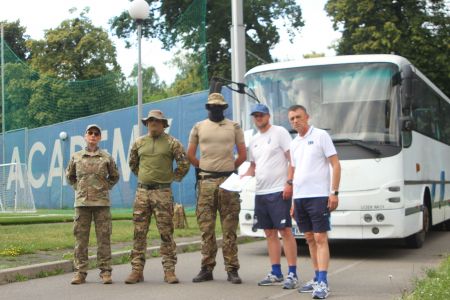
column 368, row 218
column 248, row 217
column 375, row 230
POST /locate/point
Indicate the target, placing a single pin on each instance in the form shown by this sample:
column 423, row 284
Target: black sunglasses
column 95, row 133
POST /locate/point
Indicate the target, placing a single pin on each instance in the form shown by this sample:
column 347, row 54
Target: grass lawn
column 28, row 238
column 436, row 286
column 54, row 216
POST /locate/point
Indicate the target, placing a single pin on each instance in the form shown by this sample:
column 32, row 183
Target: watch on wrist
column 289, row 181
column 335, row 193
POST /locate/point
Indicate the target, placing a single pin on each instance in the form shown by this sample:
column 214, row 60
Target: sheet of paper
column 234, row 183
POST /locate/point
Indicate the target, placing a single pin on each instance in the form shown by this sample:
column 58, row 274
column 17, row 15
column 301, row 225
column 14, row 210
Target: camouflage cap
column 156, row 114
column 216, row 99
column 90, row 126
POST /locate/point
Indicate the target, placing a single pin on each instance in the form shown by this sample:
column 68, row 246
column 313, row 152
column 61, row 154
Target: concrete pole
column 238, row 64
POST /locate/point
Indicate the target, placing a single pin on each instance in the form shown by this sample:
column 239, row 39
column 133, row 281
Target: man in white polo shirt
column 312, row 153
column 269, row 162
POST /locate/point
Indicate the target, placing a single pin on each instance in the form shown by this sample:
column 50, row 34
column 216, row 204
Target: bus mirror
column 407, row 124
column 407, row 88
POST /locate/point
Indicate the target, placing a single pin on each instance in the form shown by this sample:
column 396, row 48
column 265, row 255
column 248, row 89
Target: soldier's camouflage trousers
column 145, row 203
column 211, row 199
column 81, row 229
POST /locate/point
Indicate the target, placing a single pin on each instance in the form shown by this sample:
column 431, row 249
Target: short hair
column 296, row 107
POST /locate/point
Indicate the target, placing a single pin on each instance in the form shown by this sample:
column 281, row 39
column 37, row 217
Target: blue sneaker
column 271, row 280
column 321, row 291
column 291, row 282
column 308, row 287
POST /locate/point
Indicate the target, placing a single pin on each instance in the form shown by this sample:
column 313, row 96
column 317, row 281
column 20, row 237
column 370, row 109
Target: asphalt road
column 358, row 270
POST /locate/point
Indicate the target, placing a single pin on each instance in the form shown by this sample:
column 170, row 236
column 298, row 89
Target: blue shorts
column 272, row 211
column 312, row 214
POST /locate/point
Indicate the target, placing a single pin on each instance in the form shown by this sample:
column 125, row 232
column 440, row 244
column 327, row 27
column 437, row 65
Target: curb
column 66, row 266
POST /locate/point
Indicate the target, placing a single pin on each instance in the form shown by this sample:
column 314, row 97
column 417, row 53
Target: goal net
column 15, row 189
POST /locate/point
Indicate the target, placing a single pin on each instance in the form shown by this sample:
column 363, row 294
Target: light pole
column 238, row 64
column 62, row 137
column 139, row 11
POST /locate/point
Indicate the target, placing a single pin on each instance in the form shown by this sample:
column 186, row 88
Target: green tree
column 78, row 74
column 262, row 18
column 189, row 79
column 75, row 50
column 418, row 30
column 152, row 88
column 15, row 37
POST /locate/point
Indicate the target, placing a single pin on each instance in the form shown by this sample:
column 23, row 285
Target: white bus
column 391, row 128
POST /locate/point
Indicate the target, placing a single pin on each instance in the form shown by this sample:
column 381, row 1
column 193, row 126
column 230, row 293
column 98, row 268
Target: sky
column 39, row 15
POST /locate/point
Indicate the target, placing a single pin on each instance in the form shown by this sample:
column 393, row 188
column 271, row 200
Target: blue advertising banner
column 46, row 154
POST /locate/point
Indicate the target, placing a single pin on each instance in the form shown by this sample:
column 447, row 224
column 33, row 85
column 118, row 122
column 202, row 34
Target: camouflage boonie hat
column 216, row 99
column 90, row 126
column 156, row 114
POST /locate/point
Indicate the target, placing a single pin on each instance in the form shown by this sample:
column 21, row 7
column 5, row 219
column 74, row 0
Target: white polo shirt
column 267, row 150
column 309, row 156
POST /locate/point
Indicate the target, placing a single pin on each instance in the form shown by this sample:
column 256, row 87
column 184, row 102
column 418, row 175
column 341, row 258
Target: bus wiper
column 358, row 143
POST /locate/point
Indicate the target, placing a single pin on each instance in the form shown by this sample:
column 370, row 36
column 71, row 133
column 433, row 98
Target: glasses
column 94, row 133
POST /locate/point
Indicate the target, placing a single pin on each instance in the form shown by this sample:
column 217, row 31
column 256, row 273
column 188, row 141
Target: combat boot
column 170, row 277
column 135, row 277
column 203, row 275
column 233, row 277
column 106, row 277
column 79, row 278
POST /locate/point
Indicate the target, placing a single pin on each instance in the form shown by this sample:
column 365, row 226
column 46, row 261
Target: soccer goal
column 16, row 194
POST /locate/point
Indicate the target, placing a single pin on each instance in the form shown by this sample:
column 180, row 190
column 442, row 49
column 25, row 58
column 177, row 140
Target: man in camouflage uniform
column 216, row 138
column 151, row 160
column 92, row 172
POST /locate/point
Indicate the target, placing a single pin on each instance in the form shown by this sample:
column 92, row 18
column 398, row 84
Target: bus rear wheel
column 416, row 240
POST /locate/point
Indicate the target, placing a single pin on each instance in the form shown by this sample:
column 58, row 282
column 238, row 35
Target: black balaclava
column 215, row 112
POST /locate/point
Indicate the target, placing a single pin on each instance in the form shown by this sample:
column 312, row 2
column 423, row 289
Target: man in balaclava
column 217, row 137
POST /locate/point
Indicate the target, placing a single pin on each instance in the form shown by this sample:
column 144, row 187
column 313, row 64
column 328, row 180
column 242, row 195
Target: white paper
column 234, row 183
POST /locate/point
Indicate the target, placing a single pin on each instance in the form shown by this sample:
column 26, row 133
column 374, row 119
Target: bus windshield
column 357, row 101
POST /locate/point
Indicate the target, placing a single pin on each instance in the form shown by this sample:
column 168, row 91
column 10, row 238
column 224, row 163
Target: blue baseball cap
column 260, row 108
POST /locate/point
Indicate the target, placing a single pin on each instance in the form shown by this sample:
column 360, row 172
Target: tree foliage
column 72, row 73
column 15, row 37
column 261, row 18
column 418, row 30
column 189, row 79
column 75, row 50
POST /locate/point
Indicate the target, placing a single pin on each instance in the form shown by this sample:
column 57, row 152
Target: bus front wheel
column 416, row 240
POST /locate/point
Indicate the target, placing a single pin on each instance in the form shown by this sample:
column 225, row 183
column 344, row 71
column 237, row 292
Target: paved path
column 359, row 270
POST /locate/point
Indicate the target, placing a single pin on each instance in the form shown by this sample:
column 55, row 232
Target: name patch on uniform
column 310, row 142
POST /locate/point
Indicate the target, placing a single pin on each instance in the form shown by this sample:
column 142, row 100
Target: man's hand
column 333, row 202
column 287, row 192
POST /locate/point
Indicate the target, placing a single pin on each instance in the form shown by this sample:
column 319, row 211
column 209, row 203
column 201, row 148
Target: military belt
column 153, row 186
column 215, row 175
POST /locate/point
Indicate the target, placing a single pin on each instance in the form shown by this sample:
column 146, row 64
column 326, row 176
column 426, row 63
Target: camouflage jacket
column 92, row 175
column 151, row 159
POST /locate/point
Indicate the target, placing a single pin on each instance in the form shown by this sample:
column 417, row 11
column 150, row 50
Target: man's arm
column 181, row 161
column 287, row 192
column 192, row 150
column 333, row 200
column 134, row 159
column 71, row 175
column 251, row 170
column 113, row 171
column 241, row 155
